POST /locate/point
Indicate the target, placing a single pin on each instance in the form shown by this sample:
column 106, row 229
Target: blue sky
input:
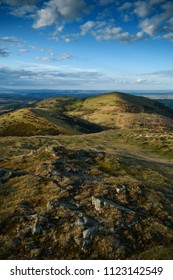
column 79, row 44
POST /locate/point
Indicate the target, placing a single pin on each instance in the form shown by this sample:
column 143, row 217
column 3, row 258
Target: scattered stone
column 86, row 221
column 90, row 233
column 101, row 202
column 37, row 229
column 120, row 188
column 98, row 203
column 54, row 204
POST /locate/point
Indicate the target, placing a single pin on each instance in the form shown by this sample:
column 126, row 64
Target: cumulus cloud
column 21, row 7
column 117, row 33
column 45, row 17
column 151, row 26
column 168, row 8
column 142, row 9
column 4, row 52
column 169, row 36
column 153, row 18
column 59, row 9
column 87, row 27
column 125, row 6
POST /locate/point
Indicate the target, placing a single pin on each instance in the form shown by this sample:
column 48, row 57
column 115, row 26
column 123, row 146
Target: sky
column 89, row 45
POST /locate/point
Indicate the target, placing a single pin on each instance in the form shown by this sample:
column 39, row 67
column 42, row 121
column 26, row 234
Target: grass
column 74, row 168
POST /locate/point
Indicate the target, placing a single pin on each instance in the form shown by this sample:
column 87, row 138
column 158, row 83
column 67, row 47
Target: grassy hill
column 24, row 122
column 68, row 193
column 70, row 116
column 120, row 110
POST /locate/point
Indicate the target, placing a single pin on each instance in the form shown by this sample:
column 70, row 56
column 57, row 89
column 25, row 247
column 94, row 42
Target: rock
column 98, row 203
column 120, row 188
column 54, row 204
column 80, row 222
column 86, row 221
column 78, row 241
column 101, row 202
column 35, row 217
column 37, row 229
column 90, row 233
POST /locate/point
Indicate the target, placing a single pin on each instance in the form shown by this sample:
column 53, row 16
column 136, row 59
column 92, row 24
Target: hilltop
column 121, row 110
column 71, row 116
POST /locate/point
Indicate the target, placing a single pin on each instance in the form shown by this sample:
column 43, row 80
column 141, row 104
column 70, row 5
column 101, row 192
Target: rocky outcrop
column 99, row 203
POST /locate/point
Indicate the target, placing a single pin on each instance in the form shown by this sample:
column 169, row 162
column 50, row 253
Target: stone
column 90, row 233
column 101, row 202
column 37, row 229
column 97, row 202
column 86, row 221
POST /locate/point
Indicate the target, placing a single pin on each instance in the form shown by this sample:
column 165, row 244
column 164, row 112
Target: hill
column 68, row 193
column 120, row 110
column 70, row 116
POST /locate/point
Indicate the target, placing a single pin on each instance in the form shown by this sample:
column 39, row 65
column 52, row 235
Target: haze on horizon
column 79, row 44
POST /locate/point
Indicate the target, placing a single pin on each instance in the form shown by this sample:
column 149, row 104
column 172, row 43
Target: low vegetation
column 79, row 195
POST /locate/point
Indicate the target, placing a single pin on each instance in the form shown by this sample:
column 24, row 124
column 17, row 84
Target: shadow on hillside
column 82, row 125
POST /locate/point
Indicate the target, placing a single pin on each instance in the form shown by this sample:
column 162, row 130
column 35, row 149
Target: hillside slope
column 70, row 116
column 120, row 110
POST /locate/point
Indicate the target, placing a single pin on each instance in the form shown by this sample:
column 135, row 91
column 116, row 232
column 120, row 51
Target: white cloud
column 87, row 27
column 152, row 25
column 63, row 56
column 125, row 6
column 49, row 76
column 10, row 39
column 45, row 17
column 169, row 36
column 154, row 18
column 23, row 51
column 117, row 33
column 142, row 8
column 20, row 8
column 59, row 9
column 163, row 73
column 46, row 59
column 59, row 28
column 168, row 8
